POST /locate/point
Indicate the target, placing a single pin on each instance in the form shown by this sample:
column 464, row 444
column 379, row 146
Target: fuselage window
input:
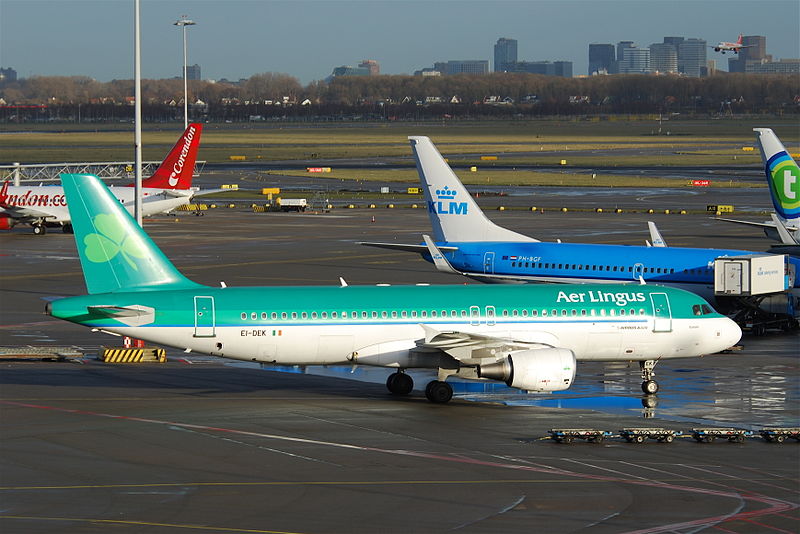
column 244, row 316
column 592, row 312
column 424, row 313
column 574, row 313
column 583, row 313
column 615, row 268
column 374, row 315
column 334, row 315
column 344, row 315
column 526, row 264
column 384, row 314
column 611, row 313
column 394, row 315
column 254, row 316
column 364, row 315
column 453, row 313
column 274, row 315
column 630, row 269
column 631, row 312
column 546, row 265
column 594, row 267
column 313, row 315
column 555, row 312
column 513, row 264
column 622, row 311
column 413, row 314
column 463, row 313
column 284, row 315
column 544, row 313
column 641, row 311
column 433, row 313
column 602, row 313
column 505, row 313
column 404, row 313
column 563, row 313
column 325, row 315
column 560, row 266
column 515, row 313
column 263, row 315
column 535, row 313
column 304, row 315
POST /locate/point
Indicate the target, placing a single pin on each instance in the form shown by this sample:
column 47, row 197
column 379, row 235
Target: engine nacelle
column 7, row 223
column 534, row 369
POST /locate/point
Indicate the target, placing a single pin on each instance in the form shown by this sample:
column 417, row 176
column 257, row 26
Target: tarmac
column 203, row 444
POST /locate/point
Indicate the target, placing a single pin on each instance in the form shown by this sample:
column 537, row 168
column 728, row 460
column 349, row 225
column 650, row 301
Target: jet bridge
column 758, row 289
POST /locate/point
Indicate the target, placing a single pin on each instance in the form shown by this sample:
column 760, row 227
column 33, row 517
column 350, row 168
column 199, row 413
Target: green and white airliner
column 528, row 336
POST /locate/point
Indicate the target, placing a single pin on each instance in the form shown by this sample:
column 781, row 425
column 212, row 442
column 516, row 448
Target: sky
column 306, row 39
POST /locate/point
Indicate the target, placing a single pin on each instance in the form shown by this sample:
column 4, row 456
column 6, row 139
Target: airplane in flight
column 466, row 242
column 725, row 46
column 168, row 188
column 529, row 337
column 783, row 178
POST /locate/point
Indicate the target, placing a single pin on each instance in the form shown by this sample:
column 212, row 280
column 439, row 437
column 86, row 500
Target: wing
column 471, row 348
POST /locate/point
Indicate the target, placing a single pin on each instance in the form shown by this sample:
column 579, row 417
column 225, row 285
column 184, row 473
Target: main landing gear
column 399, row 383
column 649, row 386
column 437, row 391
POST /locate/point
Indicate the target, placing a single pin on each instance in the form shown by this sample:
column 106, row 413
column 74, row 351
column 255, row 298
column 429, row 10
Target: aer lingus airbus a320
column 529, row 337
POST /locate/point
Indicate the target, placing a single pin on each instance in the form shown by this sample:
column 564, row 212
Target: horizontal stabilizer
column 134, row 315
column 419, row 249
column 439, row 260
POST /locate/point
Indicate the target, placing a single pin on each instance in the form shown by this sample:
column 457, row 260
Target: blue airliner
column 466, row 242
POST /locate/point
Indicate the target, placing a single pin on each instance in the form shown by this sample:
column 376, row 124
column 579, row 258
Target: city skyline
column 308, row 39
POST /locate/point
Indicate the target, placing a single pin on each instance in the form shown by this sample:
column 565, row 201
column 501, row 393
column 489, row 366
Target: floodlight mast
column 183, row 22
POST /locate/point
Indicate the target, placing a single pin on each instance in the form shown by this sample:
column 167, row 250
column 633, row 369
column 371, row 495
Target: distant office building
column 601, row 59
column 634, row 60
column 193, row 72
column 674, row 41
column 372, row 65
column 783, row 66
column 8, row 75
column 347, row 70
column 548, row 68
column 469, row 66
column 663, row 58
column 427, row 72
column 692, row 57
column 505, row 53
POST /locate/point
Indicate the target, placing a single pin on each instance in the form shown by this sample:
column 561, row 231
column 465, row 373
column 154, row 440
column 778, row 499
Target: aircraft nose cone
column 728, row 334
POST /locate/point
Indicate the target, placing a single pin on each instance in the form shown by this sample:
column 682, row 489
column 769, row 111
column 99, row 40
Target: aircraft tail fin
column 783, row 175
column 740, row 39
column 177, row 169
column 115, row 252
column 454, row 215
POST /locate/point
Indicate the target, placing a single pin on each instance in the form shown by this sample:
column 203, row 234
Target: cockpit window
column 697, row 310
column 707, row 309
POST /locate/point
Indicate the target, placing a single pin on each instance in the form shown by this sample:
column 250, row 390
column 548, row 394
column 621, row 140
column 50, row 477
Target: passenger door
column 204, row 318
column 662, row 314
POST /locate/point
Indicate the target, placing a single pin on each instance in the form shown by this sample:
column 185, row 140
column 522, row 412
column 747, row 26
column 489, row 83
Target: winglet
column 783, row 174
column 655, row 235
column 439, row 260
column 177, row 169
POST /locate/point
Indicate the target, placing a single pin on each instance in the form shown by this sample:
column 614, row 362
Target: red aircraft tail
column 739, row 40
column 175, row 172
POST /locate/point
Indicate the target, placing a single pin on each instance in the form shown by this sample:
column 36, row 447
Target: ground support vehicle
column 779, row 435
column 709, row 435
column 639, row 435
column 567, row 435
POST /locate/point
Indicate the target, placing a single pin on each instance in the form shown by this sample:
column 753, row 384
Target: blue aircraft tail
column 783, row 175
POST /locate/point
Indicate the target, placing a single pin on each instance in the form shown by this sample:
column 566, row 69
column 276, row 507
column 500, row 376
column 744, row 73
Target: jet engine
column 549, row 369
column 6, row 223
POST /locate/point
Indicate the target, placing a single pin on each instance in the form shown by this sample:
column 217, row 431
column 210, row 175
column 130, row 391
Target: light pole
column 183, row 22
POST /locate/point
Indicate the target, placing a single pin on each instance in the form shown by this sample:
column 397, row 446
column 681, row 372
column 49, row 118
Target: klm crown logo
column 445, row 204
column 446, row 193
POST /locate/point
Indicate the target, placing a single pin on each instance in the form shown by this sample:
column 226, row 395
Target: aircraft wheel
column 67, row 229
column 399, row 384
column 439, row 392
column 650, row 387
column 39, row 229
column 638, row 438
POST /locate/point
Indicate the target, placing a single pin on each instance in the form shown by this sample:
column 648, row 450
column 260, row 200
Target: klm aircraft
column 466, row 242
column 783, row 178
column 529, row 337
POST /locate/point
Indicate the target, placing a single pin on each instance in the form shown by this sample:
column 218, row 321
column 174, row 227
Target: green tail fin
column 116, row 254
